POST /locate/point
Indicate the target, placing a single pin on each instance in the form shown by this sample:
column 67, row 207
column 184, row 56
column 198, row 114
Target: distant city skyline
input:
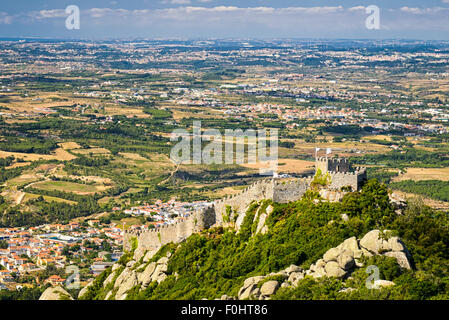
column 193, row 19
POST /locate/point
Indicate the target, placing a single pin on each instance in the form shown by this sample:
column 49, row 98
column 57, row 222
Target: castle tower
column 326, row 165
column 341, row 172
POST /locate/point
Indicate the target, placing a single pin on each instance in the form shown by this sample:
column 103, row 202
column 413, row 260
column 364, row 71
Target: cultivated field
column 418, row 174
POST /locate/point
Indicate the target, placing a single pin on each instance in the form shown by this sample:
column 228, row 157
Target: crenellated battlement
column 341, row 172
column 333, row 165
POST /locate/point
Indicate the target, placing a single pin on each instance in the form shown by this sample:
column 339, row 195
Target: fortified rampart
column 232, row 209
column 154, row 239
column 341, row 172
column 353, row 179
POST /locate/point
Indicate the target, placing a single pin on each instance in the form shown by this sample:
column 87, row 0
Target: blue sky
column 105, row 19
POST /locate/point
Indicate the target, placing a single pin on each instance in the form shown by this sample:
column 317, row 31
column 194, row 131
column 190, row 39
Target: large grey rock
column 84, row 290
column 115, row 266
column 374, row 242
column 246, row 294
column 357, row 254
column 370, row 241
column 331, row 255
column 261, row 223
column 159, row 273
column 55, row 293
column 161, row 277
column 145, row 277
column 366, row 253
column 252, row 280
column 319, row 272
column 345, row 261
column 350, row 245
column 269, row 288
column 163, row 260
column 401, row 258
column 378, row 284
column 255, row 293
column 269, row 209
column 131, row 263
column 282, row 273
column 138, row 253
column 161, row 268
column 127, row 285
column 148, row 255
column 333, row 269
column 320, row 264
column 295, row 277
column 108, row 295
column 109, row 279
column 122, row 277
column 293, row 268
column 122, row 297
column 396, row 244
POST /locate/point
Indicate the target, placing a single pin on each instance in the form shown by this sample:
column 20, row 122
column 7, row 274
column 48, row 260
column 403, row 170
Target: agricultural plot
column 66, row 186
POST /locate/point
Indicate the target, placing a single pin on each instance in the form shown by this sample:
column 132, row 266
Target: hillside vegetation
column 217, row 261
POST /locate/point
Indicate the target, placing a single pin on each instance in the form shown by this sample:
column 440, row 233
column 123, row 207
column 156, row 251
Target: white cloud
column 423, row 10
column 48, row 14
column 357, row 8
column 5, row 18
column 177, row 1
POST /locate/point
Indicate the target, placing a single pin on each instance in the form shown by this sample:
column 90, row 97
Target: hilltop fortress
column 233, row 208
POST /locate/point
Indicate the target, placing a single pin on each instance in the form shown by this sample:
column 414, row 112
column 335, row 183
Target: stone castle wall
column 239, row 202
column 233, row 208
column 348, row 179
column 156, row 238
column 287, row 191
column 333, row 165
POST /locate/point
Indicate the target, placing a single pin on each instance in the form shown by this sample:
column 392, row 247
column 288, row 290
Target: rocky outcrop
column 126, row 285
column 145, row 277
column 262, row 287
column 338, row 262
column 378, row 284
column 135, row 274
column 109, row 279
column 269, row 288
column 84, row 290
column 55, row 293
column 376, row 242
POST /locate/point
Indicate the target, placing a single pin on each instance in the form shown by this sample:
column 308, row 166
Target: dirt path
column 171, row 176
column 19, row 197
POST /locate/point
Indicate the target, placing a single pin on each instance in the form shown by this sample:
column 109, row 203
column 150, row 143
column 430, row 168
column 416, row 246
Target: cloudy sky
column 105, row 19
